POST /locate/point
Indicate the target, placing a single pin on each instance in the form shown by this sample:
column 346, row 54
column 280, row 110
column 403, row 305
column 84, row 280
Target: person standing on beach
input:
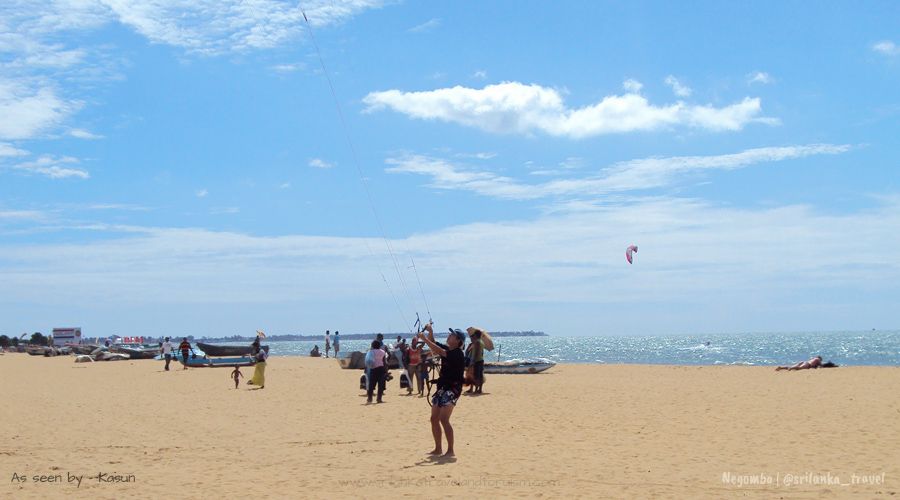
column 449, row 384
column 327, row 342
column 477, row 360
column 376, row 363
column 166, row 350
column 415, row 356
column 259, row 372
column 337, row 343
column 186, row 349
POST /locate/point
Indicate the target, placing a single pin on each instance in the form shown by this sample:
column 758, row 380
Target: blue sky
column 181, row 167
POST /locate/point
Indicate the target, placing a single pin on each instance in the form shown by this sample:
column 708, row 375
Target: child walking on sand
column 236, row 375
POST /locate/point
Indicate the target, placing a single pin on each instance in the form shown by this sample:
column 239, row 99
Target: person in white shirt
column 167, row 352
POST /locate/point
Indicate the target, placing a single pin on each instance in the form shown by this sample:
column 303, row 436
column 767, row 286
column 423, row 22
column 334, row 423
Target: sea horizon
column 846, row 348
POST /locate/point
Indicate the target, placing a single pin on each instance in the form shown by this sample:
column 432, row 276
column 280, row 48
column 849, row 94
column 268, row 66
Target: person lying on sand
column 814, row 362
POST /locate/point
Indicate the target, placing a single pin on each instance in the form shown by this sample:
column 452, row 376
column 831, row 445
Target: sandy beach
column 574, row 431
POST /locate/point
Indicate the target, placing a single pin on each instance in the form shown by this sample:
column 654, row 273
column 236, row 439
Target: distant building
column 63, row 336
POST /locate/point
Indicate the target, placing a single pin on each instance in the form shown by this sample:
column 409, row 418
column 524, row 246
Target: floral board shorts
column 444, row 397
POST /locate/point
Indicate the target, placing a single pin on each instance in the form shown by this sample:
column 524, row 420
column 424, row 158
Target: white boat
column 533, row 365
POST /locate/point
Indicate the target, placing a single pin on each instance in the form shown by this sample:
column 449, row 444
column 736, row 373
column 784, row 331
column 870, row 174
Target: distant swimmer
column 814, row 362
column 707, row 343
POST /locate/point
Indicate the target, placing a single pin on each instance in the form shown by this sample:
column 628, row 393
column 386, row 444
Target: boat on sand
column 356, row 360
column 204, row 362
column 135, row 351
column 519, row 366
column 227, row 350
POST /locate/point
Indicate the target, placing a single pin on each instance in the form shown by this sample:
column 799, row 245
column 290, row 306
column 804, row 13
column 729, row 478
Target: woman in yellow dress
column 259, row 373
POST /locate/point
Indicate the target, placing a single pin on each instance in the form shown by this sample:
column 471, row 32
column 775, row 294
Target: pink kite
column 629, row 252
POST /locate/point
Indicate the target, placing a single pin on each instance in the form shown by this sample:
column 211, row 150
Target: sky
column 218, row 167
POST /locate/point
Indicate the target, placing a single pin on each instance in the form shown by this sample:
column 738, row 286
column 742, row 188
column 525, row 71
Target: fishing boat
column 227, row 350
column 36, row 350
column 356, row 360
column 352, row 360
column 111, row 356
column 83, row 348
column 204, row 362
column 136, row 351
column 534, row 365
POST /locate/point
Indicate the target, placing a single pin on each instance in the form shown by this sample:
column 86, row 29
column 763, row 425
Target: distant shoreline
column 350, row 336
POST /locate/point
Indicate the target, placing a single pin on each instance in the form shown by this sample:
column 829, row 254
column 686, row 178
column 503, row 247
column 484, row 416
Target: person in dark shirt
column 185, row 348
column 449, row 384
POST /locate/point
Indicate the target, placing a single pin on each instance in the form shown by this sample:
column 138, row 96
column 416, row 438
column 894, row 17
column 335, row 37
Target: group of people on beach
column 185, row 348
column 316, row 353
column 329, row 342
column 415, row 363
column 257, row 353
column 261, row 356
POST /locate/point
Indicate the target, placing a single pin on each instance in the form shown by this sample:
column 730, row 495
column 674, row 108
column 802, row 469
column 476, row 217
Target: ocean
column 880, row 348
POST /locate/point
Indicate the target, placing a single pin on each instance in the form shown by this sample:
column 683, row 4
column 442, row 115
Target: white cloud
column 29, row 111
column 513, row 107
column 217, row 26
column 572, row 162
column 737, row 269
column 284, row 185
column 480, row 74
column 320, row 163
column 117, row 206
column 81, row 133
column 477, row 156
column 53, row 167
column 632, row 85
column 201, row 193
column 21, row 214
column 633, row 175
column 425, row 27
column 678, row 88
column 288, row 67
column 886, row 47
column 760, row 77
column 44, row 43
column 7, row 151
column 205, row 26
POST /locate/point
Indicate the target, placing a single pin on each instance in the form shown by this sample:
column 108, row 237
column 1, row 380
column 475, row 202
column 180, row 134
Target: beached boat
column 203, row 362
column 83, row 348
column 357, row 361
column 36, row 350
column 352, row 360
column 534, row 365
column 135, row 352
column 110, row 356
column 227, row 350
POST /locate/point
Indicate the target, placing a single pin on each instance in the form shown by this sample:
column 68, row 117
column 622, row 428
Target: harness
column 431, row 376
